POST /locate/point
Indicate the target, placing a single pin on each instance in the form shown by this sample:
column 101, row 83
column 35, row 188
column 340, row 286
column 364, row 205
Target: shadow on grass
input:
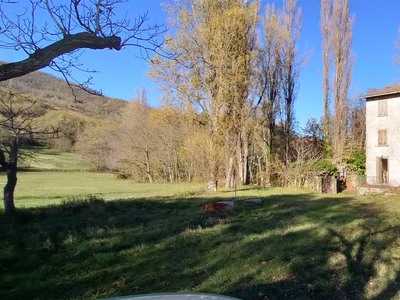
column 290, row 247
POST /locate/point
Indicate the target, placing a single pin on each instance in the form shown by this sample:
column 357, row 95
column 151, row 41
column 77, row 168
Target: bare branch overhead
column 51, row 33
column 43, row 57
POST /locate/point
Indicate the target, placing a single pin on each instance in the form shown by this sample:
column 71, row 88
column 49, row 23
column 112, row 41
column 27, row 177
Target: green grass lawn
column 51, row 159
column 51, row 176
column 66, row 242
column 295, row 245
column 44, row 188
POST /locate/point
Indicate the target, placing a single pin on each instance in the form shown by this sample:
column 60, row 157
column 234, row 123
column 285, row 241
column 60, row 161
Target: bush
column 356, row 162
column 327, row 166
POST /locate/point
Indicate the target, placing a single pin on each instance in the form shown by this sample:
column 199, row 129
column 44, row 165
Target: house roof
column 389, row 90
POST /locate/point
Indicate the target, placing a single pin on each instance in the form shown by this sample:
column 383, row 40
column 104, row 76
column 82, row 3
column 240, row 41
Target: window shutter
column 382, row 108
column 382, row 137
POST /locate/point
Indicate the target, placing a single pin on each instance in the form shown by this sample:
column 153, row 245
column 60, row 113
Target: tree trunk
column 176, row 168
column 240, row 159
column 11, row 168
column 229, row 173
column 214, row 156
column 243, row 163
column 268, row 156
column 245, row 147
column 148, row 174
column 267, row 178
column 213, row 175
column 213, row 184
column 9, row 188
column 188, row 172
column 260, row 174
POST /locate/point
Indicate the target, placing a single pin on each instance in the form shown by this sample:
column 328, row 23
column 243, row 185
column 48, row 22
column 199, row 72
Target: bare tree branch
column 43, row 57
column 69, row 26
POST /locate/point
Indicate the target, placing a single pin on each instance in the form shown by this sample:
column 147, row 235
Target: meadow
column 82, row 235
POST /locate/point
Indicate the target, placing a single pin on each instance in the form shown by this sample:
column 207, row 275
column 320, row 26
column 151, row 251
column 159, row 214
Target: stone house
column 383, row 136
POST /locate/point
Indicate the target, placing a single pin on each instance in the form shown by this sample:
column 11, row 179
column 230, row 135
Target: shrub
column 356, row 162
column 327, row 166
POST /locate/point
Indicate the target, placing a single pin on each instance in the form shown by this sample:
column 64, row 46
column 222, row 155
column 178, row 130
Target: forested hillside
column 54, row 93
column 69, row 112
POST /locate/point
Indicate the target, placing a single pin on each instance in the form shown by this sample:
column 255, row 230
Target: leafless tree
column 356, row 124
column 325, row 24
column 51, row 33
column 291, row 63
column 136, row 141
column 306, row 150
column 302, row 168
column 17, row 128
column 270, row 81
column 336, row 25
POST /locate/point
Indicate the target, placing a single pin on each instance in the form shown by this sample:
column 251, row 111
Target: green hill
column 54, row 93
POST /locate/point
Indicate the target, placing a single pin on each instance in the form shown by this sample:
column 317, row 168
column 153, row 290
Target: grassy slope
column 50, row 159
column 294, row 246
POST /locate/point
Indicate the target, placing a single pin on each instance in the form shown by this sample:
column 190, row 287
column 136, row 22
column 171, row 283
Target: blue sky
column 374, row 37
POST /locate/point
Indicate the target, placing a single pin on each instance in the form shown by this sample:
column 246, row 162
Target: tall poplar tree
column 325, row 24
column 270, row 83
column 336, row 26
column 212, row 69
column 291, row 63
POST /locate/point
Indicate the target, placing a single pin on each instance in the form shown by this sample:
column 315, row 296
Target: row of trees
column 229, row 77
column 229, row 101
column 241, row 86
column 171, row 144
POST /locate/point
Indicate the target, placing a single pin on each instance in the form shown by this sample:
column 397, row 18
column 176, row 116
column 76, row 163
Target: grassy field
column 54, row 160
column 53, row 176
column 157, row 238
column 44, row 188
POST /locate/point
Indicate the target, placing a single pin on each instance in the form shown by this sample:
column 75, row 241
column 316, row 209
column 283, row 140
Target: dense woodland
column 229, row 76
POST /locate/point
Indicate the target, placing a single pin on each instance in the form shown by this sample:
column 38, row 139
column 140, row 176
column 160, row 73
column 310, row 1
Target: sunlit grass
column 55, row 160
column 157, row 238
column 54, row 176
column 44, row 188
column 294, row 245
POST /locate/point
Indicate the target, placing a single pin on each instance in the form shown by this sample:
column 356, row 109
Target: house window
column 382, row 137
column 382, row 108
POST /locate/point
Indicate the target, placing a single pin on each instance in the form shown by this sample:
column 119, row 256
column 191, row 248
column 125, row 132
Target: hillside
column 54, row 93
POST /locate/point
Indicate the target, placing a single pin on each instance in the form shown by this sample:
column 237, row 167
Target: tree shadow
column 290, row 246
column 331, row 260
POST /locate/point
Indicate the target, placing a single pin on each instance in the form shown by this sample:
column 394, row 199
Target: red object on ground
column 216, row 206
